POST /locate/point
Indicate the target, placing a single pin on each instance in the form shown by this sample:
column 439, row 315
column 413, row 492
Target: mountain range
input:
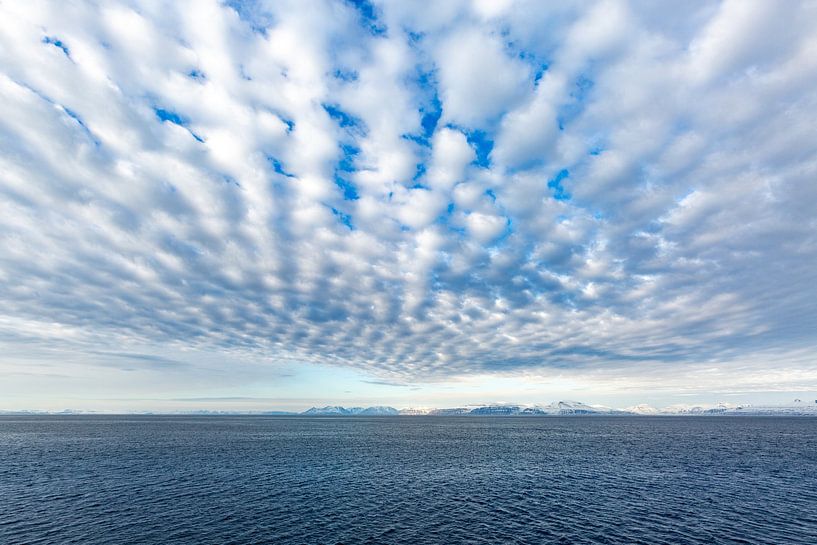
column 557, row 408
column 570, row 408
column 352, row 411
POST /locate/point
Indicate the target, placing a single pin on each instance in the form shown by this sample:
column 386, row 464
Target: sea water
column 413, row 480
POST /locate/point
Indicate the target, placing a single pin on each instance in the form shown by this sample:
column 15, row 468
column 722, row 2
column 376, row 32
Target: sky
column 273, row 205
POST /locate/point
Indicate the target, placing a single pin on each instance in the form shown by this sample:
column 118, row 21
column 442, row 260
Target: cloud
column 156, row 362
column 417, row 193
column 478, row 78
column 386, row 383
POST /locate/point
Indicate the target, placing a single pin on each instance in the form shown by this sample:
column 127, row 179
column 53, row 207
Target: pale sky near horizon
column 273, row 205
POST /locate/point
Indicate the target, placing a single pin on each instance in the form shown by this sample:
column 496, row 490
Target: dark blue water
column 413, row 480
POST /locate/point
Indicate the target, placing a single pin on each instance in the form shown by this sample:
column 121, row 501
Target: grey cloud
column 386, row 383
column 155, row 362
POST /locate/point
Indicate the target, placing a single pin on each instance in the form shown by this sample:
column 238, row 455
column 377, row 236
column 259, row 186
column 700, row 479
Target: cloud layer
column 481, row 187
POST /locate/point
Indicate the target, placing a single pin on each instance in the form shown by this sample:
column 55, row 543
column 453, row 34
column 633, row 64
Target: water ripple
column 163, row 480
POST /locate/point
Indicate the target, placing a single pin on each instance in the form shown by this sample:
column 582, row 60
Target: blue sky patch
column 539, row 73
column 555, row 184
column 347, row 187
column 431, row 114
column 176, row 119
column 368, row 17
column 346, row 165
column 253, row 14
column 59, row 44
column 173, row 117
column 278, row 167
column 431, row 107
column 346, row 75
column 288, row 122
column 421, row 171
column 348, row 154
column 579, row 96
column 482, row 144
column 344, row 218
column 346, row 120
column 73, row 115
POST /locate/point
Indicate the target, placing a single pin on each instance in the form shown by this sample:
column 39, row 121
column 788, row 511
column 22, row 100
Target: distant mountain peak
column 336, row 410
column 569, row 408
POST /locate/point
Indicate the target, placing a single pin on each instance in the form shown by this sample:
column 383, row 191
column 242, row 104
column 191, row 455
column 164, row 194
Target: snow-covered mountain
column 557, row 408
column 577, row 407
column 642, row 409
column 457, row 411
column 727, row 409
column 795, row 409
column 335, row 410
column 412, row 411
column 574, row 408
column 332, row 410
column 496, row 410
column 379, row 411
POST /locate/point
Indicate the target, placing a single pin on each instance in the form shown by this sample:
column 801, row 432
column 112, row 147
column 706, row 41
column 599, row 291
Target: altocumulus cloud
column 478, row 187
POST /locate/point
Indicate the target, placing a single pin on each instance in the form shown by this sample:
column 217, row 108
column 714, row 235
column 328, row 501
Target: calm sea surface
column 413, row 480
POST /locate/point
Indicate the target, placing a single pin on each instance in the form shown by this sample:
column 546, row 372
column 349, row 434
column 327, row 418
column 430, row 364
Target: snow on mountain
column 495, row 410
column 458, row 411
column 352, row 411
column 379, row 411
column 555, row 408
column 570, row 408
column 718, row 408
column 798, row 409
column 328, row 411
column 729, row 409
column 576, row 407
column 642, row 408
column 411, row 411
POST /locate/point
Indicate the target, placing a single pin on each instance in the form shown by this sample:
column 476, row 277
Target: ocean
column 413, row 480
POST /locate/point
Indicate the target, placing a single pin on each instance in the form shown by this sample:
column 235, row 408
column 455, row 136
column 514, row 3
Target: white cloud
column 478, row 78
column 485, row 228
column 452, row 155
column 609, row 186
column 731, row 41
